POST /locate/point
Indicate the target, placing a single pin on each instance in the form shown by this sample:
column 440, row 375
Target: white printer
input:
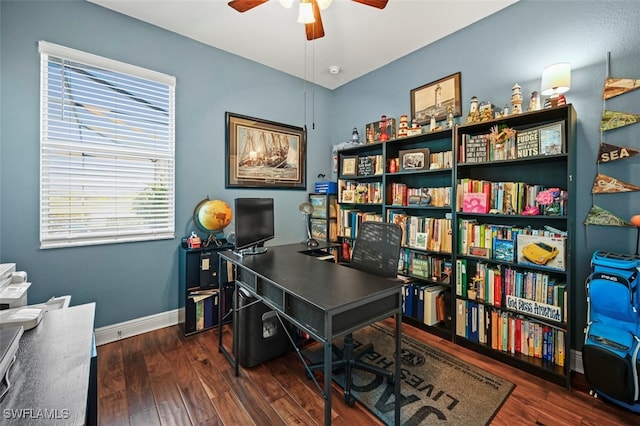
column 14, row 311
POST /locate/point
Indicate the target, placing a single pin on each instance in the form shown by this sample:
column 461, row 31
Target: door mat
column 436, row 388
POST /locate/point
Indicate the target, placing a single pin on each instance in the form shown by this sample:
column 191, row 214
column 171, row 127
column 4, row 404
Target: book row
column 533, row 293
column 505, row 243
column 351, row 219
column 421, row 232
column 511, row 144
column 508, row 332
column 481, row 196
column 428, row 267
column 360, row 192
column 403, row 195
column 206, row 307
column 427, row 303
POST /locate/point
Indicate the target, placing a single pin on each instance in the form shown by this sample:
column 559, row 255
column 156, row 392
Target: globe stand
column 212, row 239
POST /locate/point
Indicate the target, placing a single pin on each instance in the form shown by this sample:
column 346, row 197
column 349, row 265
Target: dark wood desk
column 324, row 299
column 50, row 377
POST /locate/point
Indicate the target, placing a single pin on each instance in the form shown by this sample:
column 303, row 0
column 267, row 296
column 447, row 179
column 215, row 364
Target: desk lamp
column 307, row 208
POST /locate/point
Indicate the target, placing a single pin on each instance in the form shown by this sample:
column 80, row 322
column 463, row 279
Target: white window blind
column 107, row 150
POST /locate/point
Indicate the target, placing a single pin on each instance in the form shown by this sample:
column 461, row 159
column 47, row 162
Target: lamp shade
column 305, row 14
column 323, row 4
column 556, row 79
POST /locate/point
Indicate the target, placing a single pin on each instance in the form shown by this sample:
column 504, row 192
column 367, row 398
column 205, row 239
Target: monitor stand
column 251, row 250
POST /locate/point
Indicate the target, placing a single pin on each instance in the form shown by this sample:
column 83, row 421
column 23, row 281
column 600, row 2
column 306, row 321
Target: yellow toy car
column 539, row 252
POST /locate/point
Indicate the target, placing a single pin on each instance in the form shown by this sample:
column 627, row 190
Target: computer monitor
column 254, row 224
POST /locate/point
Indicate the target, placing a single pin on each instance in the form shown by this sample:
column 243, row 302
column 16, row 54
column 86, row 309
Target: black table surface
column 50, row 377
column 329, row 286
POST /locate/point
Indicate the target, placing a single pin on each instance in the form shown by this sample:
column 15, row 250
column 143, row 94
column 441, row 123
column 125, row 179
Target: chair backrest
column 377, row 248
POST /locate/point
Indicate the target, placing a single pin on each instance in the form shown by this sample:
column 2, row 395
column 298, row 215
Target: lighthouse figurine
column 516, row 99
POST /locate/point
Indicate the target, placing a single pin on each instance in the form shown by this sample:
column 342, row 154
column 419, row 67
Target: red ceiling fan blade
column 380, row 4
column 315, row 30
column 244, row 5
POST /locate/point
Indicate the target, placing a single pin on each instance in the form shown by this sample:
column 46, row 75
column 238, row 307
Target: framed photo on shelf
column 349, row 165
column 319, row 203
column 414, row 159
column 435, row 99
column 264, row 154
column 551, row 139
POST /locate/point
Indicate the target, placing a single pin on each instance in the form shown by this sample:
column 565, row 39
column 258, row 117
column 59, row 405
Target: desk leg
column 397, row 378
column 328, row 370
column 236, row 327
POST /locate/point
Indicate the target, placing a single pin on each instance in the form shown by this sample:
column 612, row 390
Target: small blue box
column 326, row 187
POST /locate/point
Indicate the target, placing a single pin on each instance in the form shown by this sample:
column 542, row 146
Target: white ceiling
column 358, row 38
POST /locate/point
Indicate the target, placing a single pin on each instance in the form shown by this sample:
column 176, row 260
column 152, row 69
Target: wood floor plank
column 231, row 411
column 112, row 377
column 138, row 391
column 113, row 409
column 169, row 402
column 246, row 390
column 148, row 417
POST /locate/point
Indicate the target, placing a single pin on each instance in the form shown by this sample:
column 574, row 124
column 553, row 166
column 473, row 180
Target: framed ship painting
column 264, row 154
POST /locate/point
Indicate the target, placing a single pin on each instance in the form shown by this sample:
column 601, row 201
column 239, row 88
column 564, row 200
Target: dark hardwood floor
column 165, row 378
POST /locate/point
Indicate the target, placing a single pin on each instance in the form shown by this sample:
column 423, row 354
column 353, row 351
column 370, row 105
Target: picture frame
column 414, row 159
column 435, row 98
column 264, row 154
column 349, row 165
column 551, row 139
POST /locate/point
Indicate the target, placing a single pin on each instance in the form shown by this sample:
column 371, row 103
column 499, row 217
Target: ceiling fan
column 314, row 30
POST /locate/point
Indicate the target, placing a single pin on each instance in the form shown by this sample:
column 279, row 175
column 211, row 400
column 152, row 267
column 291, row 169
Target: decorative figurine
column 384, row 136
column 355, row 137
column 432, row 123
column 474, row 114
column 516, row 99
column 403, row 127
column 449, row 117
column 371, row 134
column 534, row 103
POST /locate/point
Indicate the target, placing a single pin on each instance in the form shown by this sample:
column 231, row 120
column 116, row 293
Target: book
column 431, row 295
column 527, row 143
column 503, row 249
column 475, row 202
column 476, row 148
column 541, row 250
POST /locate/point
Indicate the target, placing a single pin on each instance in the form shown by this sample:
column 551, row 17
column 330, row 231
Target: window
column 107, row 150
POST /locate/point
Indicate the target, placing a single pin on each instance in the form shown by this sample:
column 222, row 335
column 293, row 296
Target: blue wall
column 134, row 280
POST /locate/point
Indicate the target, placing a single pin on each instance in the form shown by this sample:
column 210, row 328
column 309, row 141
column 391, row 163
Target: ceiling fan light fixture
column 323, row 4
column 286, row 3
column 305, row 14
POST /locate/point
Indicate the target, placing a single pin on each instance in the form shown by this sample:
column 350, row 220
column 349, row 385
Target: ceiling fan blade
column 380, row 4
column 244, row 5
column 315, row 30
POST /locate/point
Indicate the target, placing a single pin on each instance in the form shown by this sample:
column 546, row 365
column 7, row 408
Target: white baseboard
column 131, row 328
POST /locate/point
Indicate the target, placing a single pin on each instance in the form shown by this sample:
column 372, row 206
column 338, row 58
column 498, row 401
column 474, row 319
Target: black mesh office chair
column 376, row 250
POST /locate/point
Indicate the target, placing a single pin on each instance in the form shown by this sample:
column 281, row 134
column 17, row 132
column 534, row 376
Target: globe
column 212, row 215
